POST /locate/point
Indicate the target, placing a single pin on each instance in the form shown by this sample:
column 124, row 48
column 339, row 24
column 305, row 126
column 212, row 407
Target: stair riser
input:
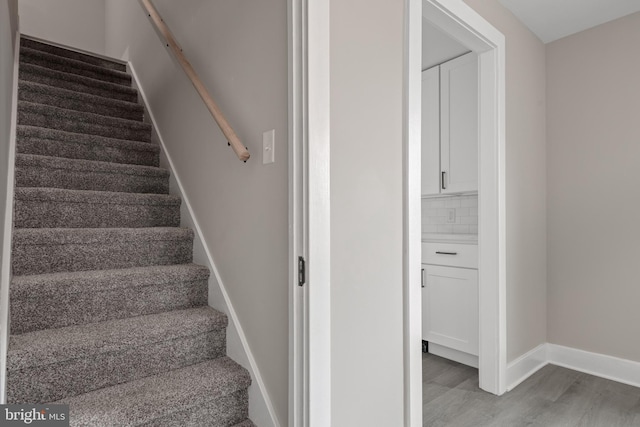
column 48, row 383
column 38, row 214
column 225, row 411
column 63, row 82
column 67, row 66
column 34, row 176
column 40, row 259
column 123, row 112
column 73, row 55
column 101, row 153
column 34, row 314
column 76, row 126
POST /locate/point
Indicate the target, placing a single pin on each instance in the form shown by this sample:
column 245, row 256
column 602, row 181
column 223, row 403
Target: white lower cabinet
column 450, row 307
column 450, row 310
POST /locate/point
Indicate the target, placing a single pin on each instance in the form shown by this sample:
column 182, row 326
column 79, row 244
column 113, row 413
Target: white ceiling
column 553, row 19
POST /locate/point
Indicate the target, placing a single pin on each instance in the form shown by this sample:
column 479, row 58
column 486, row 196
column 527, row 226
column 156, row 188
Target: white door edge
column 309, row 214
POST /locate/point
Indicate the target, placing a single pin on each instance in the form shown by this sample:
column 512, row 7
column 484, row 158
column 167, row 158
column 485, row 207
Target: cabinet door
column 431, row 131
column 450, row 307
column 459, row 124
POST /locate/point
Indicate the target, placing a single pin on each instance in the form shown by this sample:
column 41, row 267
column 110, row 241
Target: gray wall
column 593, row 112
column 366, row 43
column 526, row 180
column 76, row 23
column 240, row 52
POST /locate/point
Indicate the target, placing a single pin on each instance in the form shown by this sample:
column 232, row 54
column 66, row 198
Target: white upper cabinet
column 450, row 131
column 431, row 131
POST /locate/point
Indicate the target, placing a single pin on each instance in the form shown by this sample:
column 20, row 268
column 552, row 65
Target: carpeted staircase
column 108, row 313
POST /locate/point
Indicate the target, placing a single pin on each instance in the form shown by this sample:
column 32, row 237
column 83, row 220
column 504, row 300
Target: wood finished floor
column 553, row 396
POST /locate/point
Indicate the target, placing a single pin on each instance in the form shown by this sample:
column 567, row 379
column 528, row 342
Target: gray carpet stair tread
column 79, row 174
column 142, row 401
column 44, row 75
column 245, row 423
column 66, row 53
column 37, row 207
column 43, row 171
column 58, row 345
column 48, row 116
column 53, row 250
column 57, row 143
column 62, row 236
column 78, row 101
column 46, row 162
column 96, row 296
column 73, row 66
column 66, row 283
column 44, row 194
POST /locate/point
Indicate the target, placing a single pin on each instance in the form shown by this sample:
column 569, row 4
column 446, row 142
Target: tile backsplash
column 450, row 215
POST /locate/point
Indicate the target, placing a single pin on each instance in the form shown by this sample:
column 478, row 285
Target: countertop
column 469, row 239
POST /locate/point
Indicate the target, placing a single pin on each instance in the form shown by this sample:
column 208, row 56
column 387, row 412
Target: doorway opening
column 460, row 23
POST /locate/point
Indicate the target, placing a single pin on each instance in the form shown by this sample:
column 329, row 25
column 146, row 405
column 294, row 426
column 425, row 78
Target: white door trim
column 462, row 23
column 309, row 214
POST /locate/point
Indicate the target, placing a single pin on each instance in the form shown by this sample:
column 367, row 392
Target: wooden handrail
column 235, row 143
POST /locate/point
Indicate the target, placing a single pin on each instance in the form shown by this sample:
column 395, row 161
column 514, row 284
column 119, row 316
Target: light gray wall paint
column 76, row 23
column 240, row 52
column 525, row 180
column 593, row 111
column 366, row 66
column 438, row 47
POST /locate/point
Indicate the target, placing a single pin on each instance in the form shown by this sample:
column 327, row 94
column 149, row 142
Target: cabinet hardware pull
column 446, row 253
column 422, row 281
column 444, row 176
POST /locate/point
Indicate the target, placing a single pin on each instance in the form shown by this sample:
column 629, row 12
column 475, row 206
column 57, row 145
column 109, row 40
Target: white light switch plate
column 268, row 146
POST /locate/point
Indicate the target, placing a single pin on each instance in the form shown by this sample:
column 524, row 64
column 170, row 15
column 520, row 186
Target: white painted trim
column 298, row 360
column 462, row 23
column 601, row 365
column 412, row 221
column 5, row 268
column 75, row 49
column 234, row 322
column 317, row 113
column 455, row 355
column 526, row 365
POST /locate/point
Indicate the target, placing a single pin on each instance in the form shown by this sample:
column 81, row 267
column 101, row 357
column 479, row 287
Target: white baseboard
column 455, row 355
column 526, row 365
column 609, row 367
column 600, row 365
column 261, row 410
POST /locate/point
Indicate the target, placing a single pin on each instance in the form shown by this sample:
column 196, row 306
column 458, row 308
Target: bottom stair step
column 212, row 394
column 54, row 364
